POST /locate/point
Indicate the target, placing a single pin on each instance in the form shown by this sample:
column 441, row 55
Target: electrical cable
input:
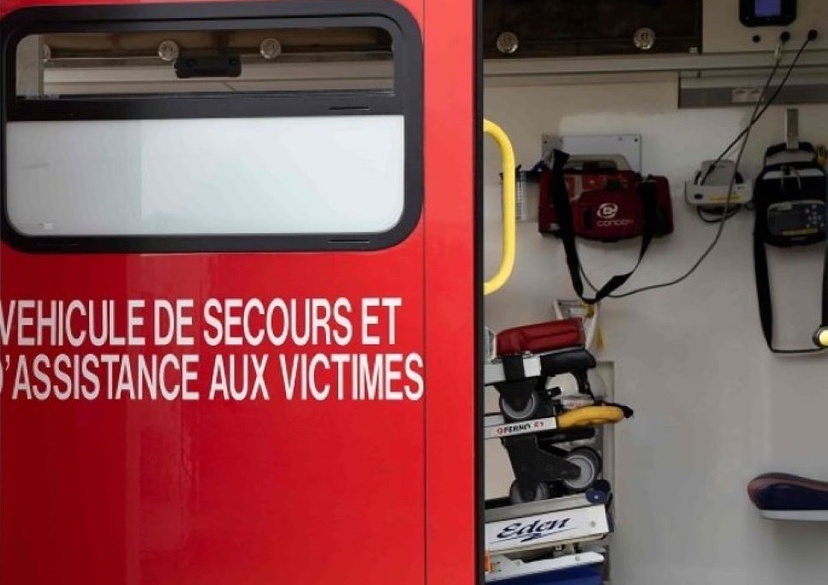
column 701, row 258
column 756, row 115
column 725, row 210
column 718, row 218
column 754, row 118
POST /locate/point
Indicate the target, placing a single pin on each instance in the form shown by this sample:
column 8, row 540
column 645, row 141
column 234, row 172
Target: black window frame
column 406, row 99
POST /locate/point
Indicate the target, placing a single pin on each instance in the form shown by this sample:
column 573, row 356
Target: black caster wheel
column 589, row 462
column 541, row 493
column 518, row 414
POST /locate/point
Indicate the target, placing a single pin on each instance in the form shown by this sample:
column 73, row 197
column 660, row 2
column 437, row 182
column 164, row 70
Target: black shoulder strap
column 824, row 324
column 825, row 291
column 763, row 290
column 563, row 210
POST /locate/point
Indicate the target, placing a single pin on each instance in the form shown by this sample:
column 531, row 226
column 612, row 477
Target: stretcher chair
column 534, row 421
column 557, row 503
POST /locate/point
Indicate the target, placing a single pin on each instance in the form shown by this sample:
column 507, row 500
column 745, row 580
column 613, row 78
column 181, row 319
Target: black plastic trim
column 479, row 303
column 230, row 105
column 406, row 99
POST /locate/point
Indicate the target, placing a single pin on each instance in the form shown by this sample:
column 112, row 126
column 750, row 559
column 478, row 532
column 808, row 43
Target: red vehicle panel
column 254, row 416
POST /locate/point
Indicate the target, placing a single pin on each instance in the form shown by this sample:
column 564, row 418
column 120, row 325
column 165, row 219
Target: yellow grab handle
column 507, row 260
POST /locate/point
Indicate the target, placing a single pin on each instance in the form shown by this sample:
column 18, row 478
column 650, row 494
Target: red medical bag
column 606, row 202
column 617, row 205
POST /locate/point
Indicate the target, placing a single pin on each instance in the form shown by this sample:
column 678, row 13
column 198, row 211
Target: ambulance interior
column 692, row 406
column 714, row 408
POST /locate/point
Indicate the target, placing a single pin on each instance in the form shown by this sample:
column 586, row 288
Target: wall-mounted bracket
column 626, row 145
column 792, row 129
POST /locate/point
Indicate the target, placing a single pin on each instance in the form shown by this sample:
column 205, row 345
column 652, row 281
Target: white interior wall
column 713, row 407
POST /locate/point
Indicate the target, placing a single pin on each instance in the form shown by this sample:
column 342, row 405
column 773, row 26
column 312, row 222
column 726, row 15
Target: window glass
column 294, row 175
column 228, row 128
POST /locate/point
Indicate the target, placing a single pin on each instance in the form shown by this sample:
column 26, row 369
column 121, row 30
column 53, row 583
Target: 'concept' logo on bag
column 607, row 210
column 607, row 213
column 536, row 530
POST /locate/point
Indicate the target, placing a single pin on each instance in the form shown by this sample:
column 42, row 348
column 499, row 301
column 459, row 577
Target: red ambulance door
column 238, row 318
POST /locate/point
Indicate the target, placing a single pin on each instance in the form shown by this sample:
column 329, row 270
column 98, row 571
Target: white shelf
column 667, row 63
column 796, row 515
column 505, row 568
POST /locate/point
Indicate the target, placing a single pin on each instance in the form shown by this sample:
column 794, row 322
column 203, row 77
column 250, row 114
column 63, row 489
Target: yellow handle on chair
column 590, row 416
column 507, row 260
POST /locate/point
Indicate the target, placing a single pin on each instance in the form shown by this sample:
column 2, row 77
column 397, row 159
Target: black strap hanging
column 821, row 335
column 563, row 210
column 764, row 196
column 763, row 292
